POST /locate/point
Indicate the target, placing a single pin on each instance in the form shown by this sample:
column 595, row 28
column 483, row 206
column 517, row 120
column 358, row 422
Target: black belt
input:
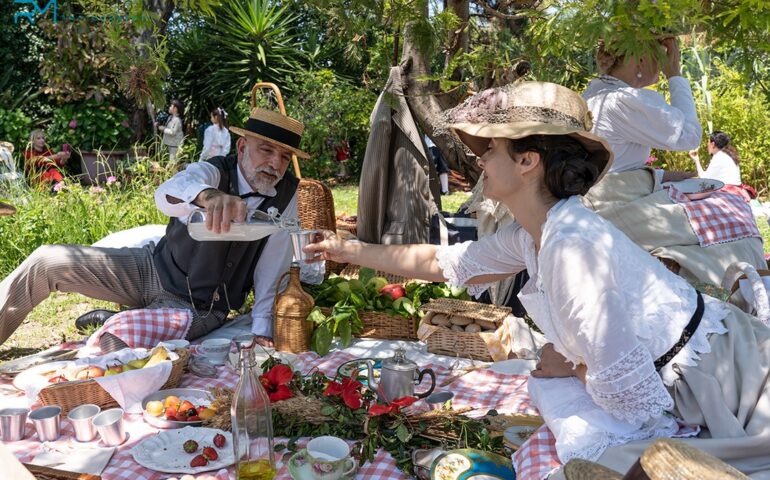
column 687, row 333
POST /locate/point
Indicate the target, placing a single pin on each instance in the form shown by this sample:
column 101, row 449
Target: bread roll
column 441, row 320
column 458, row 328
column 461, row 320
column 487, row 325
column 473, row 328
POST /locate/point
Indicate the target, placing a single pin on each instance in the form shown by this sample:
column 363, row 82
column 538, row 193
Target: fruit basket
column 465, row 329
column 69, row 395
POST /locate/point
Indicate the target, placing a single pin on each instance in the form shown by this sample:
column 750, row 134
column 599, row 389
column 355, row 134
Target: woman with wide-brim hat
column 630, row 340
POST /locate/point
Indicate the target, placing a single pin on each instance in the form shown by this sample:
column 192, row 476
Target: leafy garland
column 351, row 411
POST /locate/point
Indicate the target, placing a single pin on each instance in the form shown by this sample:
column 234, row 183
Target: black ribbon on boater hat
column 273, row 132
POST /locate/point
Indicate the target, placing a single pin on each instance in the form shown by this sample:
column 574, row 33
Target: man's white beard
column 260, row 183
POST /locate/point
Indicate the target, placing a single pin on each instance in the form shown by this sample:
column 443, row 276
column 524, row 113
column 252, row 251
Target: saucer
column 299, row 467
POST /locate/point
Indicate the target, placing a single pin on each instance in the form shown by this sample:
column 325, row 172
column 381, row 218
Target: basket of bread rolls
column 465, row 329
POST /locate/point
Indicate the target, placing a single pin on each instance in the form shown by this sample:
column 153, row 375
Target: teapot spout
column 373, row 384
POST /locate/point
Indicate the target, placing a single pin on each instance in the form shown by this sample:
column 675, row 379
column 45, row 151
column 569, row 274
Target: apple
column 90, row 372
column 114, row 370
column 393, row 290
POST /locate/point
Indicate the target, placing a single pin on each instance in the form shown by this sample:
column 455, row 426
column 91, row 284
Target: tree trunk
column 426, row 101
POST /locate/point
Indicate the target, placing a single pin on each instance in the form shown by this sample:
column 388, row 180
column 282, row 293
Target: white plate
column 164, row 452
column 696, row 185
column 34, row 377
column 514, row 366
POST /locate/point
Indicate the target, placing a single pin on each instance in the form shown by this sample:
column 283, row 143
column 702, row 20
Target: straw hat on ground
column 522, row 109
column 669, row 459
column 578, row 469
column 665, row 459
column 275, row 128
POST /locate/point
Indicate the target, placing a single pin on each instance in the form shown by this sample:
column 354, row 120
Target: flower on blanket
column 392, row 408
column 349, row 390
column 276, row 382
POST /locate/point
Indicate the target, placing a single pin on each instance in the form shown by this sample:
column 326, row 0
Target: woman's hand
column 672, row 67
column 552, row 364
column 694, row 154
column 332, row 248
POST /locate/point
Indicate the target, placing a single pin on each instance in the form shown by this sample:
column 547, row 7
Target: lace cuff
column 458, row 268
column 630, row 389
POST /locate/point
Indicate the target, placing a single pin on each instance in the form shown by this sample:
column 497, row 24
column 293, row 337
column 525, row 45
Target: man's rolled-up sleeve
column 185, row 186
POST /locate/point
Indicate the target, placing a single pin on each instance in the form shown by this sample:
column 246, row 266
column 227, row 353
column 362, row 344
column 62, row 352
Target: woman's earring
column 638, row 74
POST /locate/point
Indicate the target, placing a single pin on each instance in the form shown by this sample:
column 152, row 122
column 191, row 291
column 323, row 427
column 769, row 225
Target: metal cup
column 437, row 400
column 82, row 421
column 312, row 273
column 13, row 424
column 47, row 421
column 109, row 424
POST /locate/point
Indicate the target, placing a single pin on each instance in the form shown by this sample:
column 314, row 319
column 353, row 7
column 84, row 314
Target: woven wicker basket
column 349, row 226
column 351, row 271
column 444, row 341
column 383, row 326
column 69, row 395
column 292, row 331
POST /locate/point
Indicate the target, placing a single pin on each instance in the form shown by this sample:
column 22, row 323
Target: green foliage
column 78, row 215
column 96, row 125
column 15, row 127
column 216, row 59
column 333, row 111
column 343, row 322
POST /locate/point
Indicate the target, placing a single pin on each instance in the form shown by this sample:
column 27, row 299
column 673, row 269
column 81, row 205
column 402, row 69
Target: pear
column 138, row 363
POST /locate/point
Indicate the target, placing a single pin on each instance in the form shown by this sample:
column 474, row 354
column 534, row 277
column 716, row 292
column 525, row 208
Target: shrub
column 90, row 125
column 15, row 127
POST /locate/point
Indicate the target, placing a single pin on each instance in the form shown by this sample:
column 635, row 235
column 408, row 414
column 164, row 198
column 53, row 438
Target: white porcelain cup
column 330, row 458
column 215, row 350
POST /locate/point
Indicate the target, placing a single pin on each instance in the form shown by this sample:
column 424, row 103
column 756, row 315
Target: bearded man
column 208, row 278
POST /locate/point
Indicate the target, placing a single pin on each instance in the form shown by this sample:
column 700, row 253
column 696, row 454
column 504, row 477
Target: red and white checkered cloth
column 145, row 327
column 721, row 217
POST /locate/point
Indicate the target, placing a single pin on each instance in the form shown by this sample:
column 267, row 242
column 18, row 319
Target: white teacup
column 216, row 350
column 329, row 458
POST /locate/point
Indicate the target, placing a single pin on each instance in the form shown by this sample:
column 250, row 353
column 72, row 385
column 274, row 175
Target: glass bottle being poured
column 252, row 420
column 258, row 224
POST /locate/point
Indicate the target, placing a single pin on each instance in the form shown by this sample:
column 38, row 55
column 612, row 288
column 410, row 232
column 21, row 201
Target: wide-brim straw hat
column 522, row 109
column 273, row 127
column 667, row 458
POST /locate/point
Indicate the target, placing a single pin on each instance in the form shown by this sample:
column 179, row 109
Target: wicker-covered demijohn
column 292, row 330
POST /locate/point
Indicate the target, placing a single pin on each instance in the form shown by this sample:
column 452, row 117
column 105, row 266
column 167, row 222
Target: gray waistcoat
column 216, row 271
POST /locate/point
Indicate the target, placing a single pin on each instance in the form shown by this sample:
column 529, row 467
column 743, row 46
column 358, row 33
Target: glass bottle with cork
column 252, row 420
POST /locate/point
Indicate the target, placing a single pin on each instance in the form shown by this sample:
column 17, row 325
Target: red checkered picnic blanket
column 145, row 327
column 506, row 394
column 719, row 218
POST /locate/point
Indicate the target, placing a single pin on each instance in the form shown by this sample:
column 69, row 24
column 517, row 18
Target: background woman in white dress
column 631, row 341
column 216, row 138
column 724, row 164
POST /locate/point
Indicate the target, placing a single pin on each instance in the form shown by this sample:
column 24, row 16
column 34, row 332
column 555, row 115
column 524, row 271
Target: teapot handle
column 432, row 382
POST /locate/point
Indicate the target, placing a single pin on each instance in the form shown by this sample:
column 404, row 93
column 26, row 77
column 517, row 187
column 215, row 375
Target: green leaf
column 403, row 433
column 344, row 331
column 316, row 316
column 328, row 410
column 322, row 340
column 365, row 274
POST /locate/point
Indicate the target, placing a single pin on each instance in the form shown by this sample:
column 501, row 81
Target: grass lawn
column 53, row 320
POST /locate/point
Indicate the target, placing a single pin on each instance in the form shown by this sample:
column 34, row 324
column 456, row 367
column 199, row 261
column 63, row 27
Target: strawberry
column 210, row 453
column 186, row 405
column 190, row 446
column 180, row 417
column 219, row 440
column 199, row 461
column 171, row 418
column 194, row 418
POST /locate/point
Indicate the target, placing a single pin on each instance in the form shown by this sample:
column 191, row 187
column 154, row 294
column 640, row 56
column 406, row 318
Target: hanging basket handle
column 278, row 285
column 281, row 108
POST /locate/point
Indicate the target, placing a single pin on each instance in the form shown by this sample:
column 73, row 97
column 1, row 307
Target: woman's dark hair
column 568, row 171
column 721, row 140
column 220, row 117
column 179, row 108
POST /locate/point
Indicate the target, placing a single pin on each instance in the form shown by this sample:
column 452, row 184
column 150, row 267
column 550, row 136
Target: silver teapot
column 398, row 377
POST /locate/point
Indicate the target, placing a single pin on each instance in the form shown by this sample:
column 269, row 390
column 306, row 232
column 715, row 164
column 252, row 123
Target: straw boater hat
column 665, row 459
column 522, row 109
column 275, row 128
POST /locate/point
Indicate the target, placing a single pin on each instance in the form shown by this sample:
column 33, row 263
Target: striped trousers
column 120, row 275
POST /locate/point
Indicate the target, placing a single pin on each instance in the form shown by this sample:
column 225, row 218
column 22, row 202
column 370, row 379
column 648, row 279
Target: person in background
column 41, row 164
column 724, row 165
column 173, row 131
column 441, row 167
column 216, row 138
